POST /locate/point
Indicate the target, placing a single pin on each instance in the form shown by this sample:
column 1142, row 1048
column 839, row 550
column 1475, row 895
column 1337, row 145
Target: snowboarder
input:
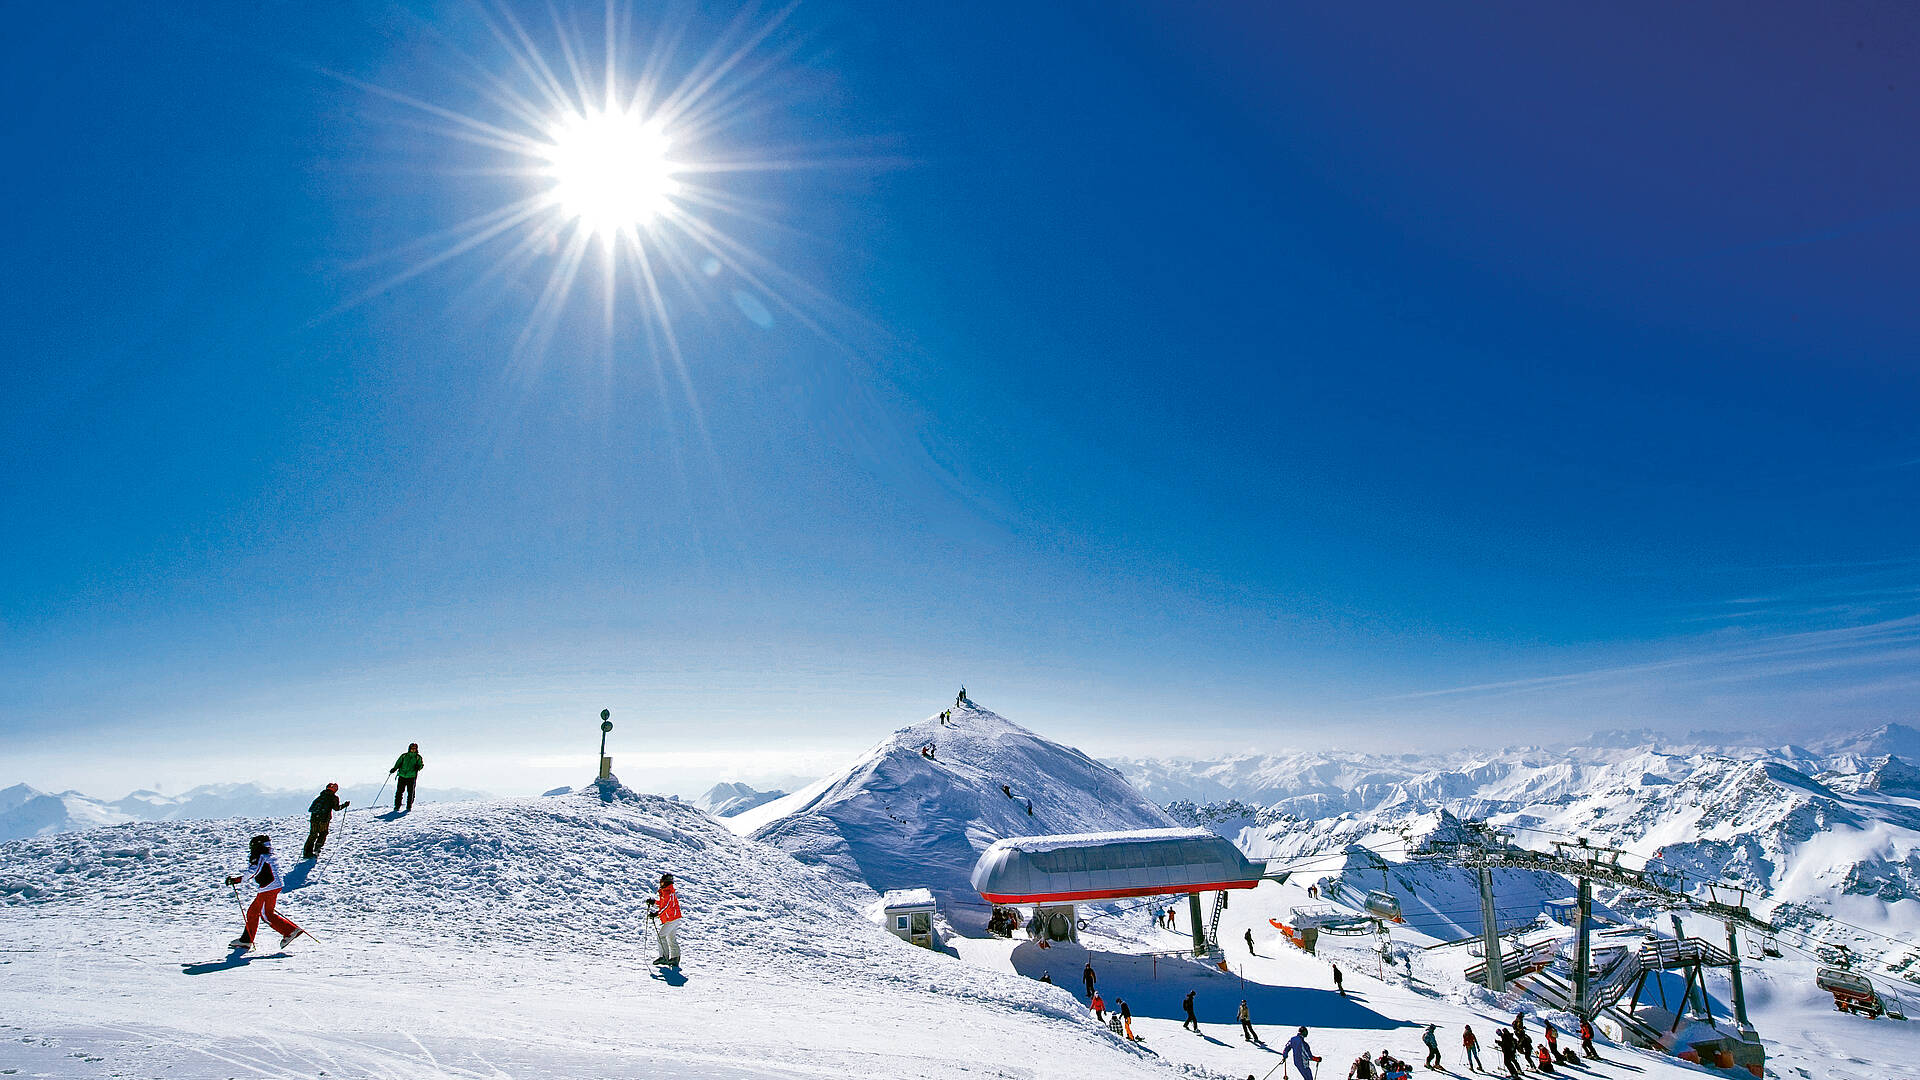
column 264, row 871
column 1586, row 1041
column 1313, row 892
column 1087, row 976
column 1246, row 1024
column 1553, row 1041
column 1029, row 807
column 1296, row 1048
column 1392, row 1068
column 1099, row 1006
column 1337, row 983
column 1126, row 1018
column 1250, row 951
column 1113, row 1024
column 668, row 905
column 1362, row 1067
column 1047, row 977
column 407, row 767
column 1472, row 1043
column 1433, row 1047
column 1546, row 1061
column 320, row 819
column 1192, row 1022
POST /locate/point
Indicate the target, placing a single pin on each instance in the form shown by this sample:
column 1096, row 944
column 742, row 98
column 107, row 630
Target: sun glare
column 635, row 156
column 610, row 170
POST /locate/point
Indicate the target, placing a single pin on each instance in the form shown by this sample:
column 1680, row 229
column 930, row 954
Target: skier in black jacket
column 320, row 819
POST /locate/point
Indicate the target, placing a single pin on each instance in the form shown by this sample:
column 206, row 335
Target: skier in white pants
column 667, row 907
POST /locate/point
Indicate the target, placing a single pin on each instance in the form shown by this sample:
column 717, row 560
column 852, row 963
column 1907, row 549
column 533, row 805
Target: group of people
column 263, row 869
column 1518, row 1051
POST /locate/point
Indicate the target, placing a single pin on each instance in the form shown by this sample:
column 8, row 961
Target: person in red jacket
column 667, row 908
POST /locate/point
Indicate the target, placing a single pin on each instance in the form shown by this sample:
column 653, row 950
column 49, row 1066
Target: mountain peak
column 917, row 809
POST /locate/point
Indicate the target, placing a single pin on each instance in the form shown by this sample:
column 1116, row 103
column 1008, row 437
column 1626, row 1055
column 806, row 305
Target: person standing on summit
column 320, row 819
column 407, row 768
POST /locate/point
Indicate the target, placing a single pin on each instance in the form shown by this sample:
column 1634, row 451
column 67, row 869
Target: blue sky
column 1253, row 377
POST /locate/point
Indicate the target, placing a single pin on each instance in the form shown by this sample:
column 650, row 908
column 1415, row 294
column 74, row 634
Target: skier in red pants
column 264, row 871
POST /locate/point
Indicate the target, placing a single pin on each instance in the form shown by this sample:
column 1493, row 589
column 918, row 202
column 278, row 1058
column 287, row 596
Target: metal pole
column 1739, row 992
column 1583, row 950
column 1490, row 934
column 1199, row 925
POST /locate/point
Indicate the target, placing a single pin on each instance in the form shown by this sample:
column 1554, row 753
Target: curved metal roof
column 1094, row 866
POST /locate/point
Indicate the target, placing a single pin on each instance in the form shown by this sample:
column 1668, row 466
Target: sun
column 610, row 170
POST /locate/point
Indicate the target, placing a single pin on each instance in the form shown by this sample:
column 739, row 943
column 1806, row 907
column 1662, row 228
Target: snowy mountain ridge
column 899, row 818
column 727, row 799
column 1824, row 833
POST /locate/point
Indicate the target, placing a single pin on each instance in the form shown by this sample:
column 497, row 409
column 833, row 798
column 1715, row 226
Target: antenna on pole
column 606, row 725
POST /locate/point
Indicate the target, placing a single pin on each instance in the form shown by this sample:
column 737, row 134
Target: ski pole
column 383, row 789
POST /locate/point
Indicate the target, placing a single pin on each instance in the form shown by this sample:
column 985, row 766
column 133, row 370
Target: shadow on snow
column 1156, row 989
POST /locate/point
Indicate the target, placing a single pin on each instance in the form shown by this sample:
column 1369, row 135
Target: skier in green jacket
column 407, row 768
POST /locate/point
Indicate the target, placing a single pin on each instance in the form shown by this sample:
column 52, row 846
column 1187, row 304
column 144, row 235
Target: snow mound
column 521, row 922
column 897, row 819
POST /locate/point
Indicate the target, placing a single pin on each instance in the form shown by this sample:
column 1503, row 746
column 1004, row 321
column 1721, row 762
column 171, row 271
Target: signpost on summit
column 606, row 725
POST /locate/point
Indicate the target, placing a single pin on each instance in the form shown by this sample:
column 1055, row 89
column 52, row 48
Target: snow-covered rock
column 897, row 818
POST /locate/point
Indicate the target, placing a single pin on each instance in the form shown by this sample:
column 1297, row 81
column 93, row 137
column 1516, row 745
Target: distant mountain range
column 1827, row 831
column 727, row 799
column 28, row 811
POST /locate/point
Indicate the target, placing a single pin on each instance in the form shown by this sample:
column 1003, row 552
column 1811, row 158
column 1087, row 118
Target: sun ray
column 627, row 152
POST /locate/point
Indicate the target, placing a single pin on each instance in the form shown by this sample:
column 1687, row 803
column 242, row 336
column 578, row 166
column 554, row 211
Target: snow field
column 494, row 940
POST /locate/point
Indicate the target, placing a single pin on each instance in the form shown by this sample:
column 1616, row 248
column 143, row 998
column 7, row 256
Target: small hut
column 909, row 916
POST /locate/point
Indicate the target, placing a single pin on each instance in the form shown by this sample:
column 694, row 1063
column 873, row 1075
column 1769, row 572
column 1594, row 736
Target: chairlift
column 1855, row 993
column 1769, row 946
column 1384, row 905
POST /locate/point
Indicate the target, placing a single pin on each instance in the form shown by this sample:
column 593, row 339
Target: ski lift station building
column 1057, row 871
column 908, row 915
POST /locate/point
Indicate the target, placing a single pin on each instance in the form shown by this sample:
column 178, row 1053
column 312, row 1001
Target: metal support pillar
column 1739, row 992
column 1583, row 949
column 1490, row 934
column 1199, row 924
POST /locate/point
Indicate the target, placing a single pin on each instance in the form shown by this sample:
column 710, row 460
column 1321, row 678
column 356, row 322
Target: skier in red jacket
column 667, row 908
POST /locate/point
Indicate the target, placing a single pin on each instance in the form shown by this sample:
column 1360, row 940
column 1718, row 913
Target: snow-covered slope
column 494, row 939
column 896, row 819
